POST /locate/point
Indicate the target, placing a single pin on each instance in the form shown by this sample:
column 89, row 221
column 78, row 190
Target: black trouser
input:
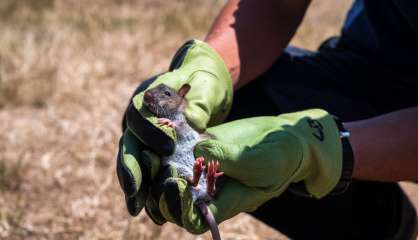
column 352, row 88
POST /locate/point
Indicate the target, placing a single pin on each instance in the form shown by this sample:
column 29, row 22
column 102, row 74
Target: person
column 312, row 143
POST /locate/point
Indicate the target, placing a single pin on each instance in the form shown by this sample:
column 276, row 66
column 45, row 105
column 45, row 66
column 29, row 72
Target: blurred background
column 67, row 70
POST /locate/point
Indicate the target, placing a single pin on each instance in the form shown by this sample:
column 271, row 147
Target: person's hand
column 209, row 101
column 261, row 156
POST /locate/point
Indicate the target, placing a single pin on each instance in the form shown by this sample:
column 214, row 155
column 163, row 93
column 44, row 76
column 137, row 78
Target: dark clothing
column 385, row 31
column 352, row 88
column 341, row 81
column 370, row 70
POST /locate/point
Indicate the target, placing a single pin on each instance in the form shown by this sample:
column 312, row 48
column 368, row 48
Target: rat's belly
column 183, row 160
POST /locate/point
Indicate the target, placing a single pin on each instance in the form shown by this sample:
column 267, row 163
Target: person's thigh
column 301, row 80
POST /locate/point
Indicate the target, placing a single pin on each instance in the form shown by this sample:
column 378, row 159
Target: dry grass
column 67, row 69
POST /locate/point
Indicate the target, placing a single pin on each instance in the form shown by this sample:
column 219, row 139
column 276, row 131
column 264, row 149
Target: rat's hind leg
column 211, row 176
column 167, row 122
column 197, row 171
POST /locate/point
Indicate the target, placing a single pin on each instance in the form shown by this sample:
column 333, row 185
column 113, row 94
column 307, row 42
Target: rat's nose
column 147, row 96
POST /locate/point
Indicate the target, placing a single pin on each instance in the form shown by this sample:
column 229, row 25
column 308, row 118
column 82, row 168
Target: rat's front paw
column 167, row 122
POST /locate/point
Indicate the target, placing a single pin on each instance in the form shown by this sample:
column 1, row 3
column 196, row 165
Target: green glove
column 209, row 99
column 261, row 156
column 136, row 168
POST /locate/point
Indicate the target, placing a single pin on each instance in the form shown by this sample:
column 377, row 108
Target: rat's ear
column 184, row 90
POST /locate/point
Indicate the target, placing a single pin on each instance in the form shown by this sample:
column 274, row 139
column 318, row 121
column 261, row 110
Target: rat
column 169, row 106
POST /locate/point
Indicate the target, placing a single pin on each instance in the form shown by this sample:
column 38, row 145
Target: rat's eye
column 167, row 93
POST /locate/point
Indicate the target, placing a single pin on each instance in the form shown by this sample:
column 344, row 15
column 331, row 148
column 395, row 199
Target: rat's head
column 164, row 101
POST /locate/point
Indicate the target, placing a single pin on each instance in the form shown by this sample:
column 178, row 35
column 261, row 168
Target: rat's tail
column 213, row 226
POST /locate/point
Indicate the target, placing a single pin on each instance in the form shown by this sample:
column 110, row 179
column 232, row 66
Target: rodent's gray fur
column 183, row 159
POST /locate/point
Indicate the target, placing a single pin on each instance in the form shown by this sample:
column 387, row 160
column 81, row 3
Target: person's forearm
column 251, row 34
column 386, row 147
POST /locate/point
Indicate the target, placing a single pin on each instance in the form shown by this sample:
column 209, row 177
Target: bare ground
column 67, row 69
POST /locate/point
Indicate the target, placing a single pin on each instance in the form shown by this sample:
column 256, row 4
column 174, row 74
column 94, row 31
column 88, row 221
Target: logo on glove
column 315, row 124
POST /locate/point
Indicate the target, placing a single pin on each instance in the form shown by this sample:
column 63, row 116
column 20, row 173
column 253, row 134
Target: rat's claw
column 218, row 174
column 215, row 167
column 167, row 122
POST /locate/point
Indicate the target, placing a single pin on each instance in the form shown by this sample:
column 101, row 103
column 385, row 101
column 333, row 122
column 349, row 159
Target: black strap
column 348, row 163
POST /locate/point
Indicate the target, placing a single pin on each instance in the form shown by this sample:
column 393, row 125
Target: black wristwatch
column 348, row 160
